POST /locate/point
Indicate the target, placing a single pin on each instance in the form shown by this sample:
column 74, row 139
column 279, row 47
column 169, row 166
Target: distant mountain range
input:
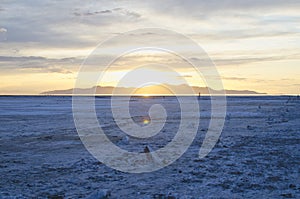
column 162, row 89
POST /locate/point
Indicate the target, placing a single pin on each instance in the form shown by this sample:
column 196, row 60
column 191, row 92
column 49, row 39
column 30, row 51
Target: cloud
column 244, row 34
column 185, row 76
column 31, row 58
column 234, row 78
column 3, row 30
column 68, row 25
column 249, row 59
column 39, row 64
column 128, row 13
column 3, row 34
column 202, row 6
column 121, row 12
column 92, row 13
column 51, row 24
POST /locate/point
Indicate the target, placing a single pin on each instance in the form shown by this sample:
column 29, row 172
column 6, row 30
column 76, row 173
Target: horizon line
column 141, row 95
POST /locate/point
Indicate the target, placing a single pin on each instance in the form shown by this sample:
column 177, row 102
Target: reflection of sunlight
column 145, row 122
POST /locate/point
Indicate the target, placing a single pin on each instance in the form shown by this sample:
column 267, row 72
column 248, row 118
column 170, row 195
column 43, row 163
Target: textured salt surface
column 257, row 155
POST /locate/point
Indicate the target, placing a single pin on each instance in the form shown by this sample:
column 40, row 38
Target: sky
column 255, row 44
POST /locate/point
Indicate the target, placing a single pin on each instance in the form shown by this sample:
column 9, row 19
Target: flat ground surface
column 257, row 155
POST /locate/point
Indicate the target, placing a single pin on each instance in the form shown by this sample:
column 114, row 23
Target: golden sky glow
column 255, row 45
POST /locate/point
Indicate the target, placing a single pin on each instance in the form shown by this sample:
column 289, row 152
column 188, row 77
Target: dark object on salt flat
column 250, row 127
column 146, row 149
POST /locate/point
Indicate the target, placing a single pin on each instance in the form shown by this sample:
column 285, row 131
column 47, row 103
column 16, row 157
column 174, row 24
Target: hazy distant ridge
column 153, row 89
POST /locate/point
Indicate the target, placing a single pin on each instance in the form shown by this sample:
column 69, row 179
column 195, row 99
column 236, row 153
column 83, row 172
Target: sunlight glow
column 145, row 122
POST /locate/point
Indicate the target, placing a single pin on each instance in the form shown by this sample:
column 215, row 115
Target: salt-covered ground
column 257, row 155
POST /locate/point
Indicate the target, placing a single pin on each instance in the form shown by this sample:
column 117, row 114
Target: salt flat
column 257, row 155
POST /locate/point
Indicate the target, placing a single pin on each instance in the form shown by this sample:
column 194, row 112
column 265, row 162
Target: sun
column 146, row 95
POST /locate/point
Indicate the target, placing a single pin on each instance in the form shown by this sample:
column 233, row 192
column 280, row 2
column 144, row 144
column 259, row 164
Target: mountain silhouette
column 161, row 89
